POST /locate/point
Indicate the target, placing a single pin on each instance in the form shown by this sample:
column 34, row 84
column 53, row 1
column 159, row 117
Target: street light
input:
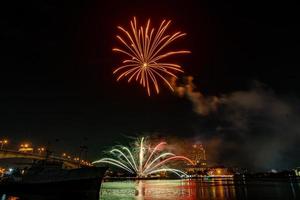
column 3, row 142
column 26, row 148
column 41, row 150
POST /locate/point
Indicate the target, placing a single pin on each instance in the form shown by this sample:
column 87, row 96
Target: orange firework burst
column 145, row 47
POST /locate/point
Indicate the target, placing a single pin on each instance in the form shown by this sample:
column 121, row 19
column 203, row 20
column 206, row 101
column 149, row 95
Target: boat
column 50, row 179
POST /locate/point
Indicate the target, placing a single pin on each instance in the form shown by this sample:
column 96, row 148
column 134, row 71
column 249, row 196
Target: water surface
column 205, row 189
column 209, row 189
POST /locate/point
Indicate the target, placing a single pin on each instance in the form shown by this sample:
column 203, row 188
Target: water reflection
column 204, row 189
column 209, row 189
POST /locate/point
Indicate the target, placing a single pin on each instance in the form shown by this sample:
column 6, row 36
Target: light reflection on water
column 212, row 189
column 209, row 189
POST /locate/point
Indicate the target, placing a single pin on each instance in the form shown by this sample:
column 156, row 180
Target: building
column 201, row 167
column 198, row 155
column 220, row 171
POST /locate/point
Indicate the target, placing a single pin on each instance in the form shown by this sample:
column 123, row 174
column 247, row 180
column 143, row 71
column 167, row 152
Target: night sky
column 57, row 84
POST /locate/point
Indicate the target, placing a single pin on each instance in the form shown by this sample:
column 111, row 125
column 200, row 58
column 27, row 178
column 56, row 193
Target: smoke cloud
column 254, row 128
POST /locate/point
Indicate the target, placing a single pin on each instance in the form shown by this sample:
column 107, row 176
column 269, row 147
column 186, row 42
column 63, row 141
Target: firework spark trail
column 145, row 52
column 141, row 155
column 169, row 159
column 123, row 155
column 116, row 163
column 155, row 160
column 158, row 158
column 154, row 150
column 131, row 156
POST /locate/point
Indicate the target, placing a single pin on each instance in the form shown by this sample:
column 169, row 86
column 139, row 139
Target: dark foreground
column 81, row 190
column 52, row 183
column 204, row 189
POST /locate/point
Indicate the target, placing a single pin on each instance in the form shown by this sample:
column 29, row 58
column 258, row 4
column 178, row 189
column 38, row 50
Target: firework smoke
column 253, row 128
column 201, row 104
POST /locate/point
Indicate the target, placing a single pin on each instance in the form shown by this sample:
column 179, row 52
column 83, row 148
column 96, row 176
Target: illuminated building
column 220, row 171
column 198, row 155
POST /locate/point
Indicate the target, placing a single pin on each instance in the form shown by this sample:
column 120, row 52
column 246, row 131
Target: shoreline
column 206, row 178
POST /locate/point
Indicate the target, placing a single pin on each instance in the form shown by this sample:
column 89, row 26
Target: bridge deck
column 10, row 154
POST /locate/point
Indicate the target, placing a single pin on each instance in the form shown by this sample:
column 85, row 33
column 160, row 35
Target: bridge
column 68, row 163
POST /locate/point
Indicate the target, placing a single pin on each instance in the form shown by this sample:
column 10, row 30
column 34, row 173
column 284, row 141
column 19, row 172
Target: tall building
column 198, row 154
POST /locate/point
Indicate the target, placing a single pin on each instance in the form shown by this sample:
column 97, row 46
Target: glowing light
column 143, row 160
column 144, row 46
column 41, row 150
column 3, row 142
column 26, row 148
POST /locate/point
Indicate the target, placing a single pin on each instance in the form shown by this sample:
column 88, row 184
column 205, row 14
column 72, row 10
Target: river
column 209, row 189
column 204, row 189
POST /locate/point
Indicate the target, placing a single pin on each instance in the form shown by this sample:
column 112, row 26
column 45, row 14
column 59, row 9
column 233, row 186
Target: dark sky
column 56, row 66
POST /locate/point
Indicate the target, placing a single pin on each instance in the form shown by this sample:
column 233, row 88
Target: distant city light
column 41, row 150
column 25, row 148
column 3, row 142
